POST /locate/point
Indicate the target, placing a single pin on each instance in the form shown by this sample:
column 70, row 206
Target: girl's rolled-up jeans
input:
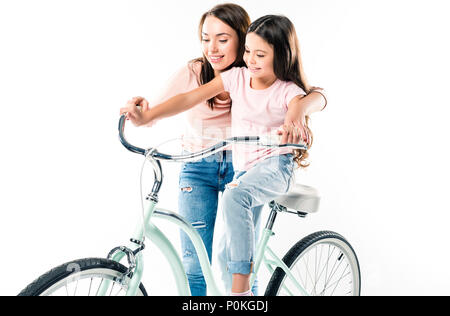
column 243, row 201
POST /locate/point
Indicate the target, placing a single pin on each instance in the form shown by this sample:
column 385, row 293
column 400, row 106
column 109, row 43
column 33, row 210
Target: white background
column 69, row 190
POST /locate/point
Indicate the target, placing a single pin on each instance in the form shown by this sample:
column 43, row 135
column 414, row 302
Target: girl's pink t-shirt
column 256, row 113
column 201, row 120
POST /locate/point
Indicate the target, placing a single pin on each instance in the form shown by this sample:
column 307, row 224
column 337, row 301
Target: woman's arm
column 295, row 127
column 176, row 105
column 314, row 102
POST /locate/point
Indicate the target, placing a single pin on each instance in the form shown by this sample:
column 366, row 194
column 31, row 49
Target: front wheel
column 323, row 264
column 81, row 278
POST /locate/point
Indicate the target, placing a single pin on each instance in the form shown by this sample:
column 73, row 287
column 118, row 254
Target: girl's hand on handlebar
column 143, row 103
column 135, row 110
column 135, row 102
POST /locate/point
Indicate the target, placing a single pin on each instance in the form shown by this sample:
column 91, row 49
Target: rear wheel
column 324, row 264
column 81, row 278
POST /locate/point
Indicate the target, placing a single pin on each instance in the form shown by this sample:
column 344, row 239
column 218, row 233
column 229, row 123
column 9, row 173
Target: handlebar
column 260, row 141
column 124, row 142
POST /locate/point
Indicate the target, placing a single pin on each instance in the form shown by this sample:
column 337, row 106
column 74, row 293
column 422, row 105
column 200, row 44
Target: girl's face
column 220, row 43
column 259, row 57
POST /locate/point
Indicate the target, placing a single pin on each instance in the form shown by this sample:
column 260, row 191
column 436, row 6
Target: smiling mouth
column 216, row 59
column 254, row 69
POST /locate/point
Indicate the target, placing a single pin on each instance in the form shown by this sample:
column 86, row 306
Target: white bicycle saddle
column 301, row 198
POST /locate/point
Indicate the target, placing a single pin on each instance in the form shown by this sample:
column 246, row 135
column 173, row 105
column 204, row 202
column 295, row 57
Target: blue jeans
column 224, row 253
column 200, row 184
column 242, row 203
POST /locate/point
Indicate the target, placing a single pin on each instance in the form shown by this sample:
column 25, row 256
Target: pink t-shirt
column 201, row 120
column 256, row 113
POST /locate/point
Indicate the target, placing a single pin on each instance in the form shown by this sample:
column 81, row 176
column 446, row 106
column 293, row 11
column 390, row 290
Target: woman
column 222, row 31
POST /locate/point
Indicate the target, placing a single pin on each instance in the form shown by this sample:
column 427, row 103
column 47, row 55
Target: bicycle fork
column 133, row 276
column 163, row 243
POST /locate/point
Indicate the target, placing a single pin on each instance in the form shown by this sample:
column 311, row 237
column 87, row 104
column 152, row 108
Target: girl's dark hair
column 238, row 19
column 280, row 33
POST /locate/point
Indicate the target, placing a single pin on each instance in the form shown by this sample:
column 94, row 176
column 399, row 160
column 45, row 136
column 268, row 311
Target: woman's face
column 259, row 57
column 220, row 43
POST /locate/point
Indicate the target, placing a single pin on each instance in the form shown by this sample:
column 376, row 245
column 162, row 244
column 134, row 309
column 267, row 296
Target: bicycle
column 325, row 259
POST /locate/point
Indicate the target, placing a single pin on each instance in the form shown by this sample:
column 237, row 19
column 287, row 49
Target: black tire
column 66, row 271
column 296, row 253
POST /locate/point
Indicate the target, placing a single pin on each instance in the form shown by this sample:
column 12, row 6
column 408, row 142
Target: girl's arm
column 176, row 105
column 180, row 82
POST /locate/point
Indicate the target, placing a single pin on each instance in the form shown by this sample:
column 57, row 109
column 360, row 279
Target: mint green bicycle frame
column 171, row 254
column 157, row 237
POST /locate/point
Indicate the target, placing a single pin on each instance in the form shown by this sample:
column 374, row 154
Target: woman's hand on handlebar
column 294, row 132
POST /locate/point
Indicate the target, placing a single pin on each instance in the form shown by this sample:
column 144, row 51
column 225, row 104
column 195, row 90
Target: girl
column 200, row 187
